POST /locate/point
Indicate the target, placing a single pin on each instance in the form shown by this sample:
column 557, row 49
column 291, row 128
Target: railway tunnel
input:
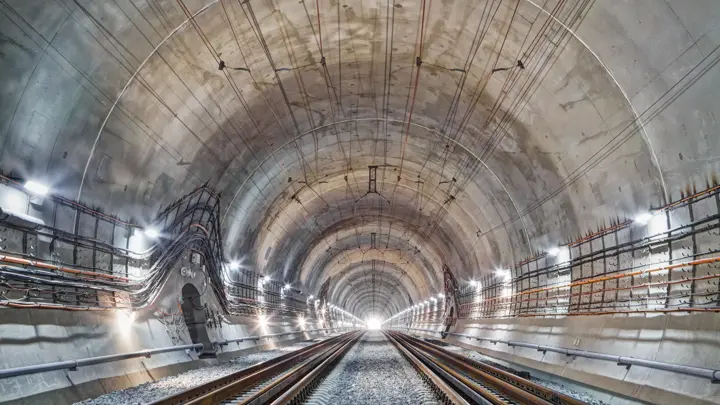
column 324, row 201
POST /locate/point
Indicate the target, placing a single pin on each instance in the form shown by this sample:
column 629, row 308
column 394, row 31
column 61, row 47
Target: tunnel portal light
column 373, row 324
column 643, row 218
column 36, row 188
column 151, row 233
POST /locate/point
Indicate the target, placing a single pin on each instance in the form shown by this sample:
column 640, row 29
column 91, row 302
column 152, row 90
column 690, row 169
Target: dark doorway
column 194, row 314
column 448, row 322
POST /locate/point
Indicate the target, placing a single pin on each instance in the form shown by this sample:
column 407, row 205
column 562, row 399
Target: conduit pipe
column 256, row 338
column 712, row 374
column 89, row 361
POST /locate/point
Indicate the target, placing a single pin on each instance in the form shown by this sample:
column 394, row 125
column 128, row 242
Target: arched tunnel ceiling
column 362, row 139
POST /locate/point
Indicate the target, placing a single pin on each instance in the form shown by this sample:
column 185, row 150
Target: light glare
column 643, row 218
column 152, row 233
column 504, row 274
column 125, row 319
column 374, row 324
column 36, row 188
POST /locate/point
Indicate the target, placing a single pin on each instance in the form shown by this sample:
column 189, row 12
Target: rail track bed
column 463, row 380
column 265, row 382
column 371, row 368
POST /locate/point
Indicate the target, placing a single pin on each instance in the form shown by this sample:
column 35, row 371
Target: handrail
column 712, row 374
column 256, row 338
column 74, row 364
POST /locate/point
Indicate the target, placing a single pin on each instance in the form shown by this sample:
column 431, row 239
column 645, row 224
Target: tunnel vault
column 385, row 139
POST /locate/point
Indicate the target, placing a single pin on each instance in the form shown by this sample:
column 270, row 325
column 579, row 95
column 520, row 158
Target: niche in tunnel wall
column 194, row 315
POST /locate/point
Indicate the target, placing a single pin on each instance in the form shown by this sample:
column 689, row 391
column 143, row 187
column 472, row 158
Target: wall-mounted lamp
column 504, row 274
column 643, row 218
column 151, row 233
column 36, row 188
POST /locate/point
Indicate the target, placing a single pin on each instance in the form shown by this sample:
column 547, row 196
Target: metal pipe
column 74, row 364
column 256, row 338
column 712, row 374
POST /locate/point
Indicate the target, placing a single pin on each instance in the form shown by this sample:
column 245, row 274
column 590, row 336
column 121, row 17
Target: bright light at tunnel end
column 373, row 324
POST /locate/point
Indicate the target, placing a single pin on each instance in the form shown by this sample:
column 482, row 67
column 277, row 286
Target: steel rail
column 479, row 392
column 494, row 385
column 280, row 383
column 429, row 375
column 625, row 361
column 221, row 389
column 297, row 390
column 480, row 370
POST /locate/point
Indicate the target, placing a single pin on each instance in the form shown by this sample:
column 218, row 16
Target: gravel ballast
column 152, row 391
column 372, row 372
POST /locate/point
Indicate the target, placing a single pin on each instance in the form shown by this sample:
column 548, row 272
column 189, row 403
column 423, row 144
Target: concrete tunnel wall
column 64, row 63
column 31, row 336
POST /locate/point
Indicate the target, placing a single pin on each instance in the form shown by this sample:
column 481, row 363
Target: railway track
column 293, row 377
column 263, row 382
column 473, row 382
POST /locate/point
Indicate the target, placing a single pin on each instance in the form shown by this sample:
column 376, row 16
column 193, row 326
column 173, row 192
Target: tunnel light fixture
column 643, row 218
column 503, row 273
column 287, row 286
column 125, row 319
column 262, row 320
column 151, row 233
column 36, row 188
column 234, row 265
column 553, row 251
column 301, row 322
column 441, row 295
